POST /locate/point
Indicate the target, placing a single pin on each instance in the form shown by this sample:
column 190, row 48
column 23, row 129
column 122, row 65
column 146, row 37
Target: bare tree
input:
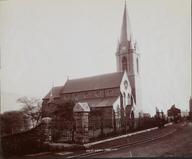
column 31, row 108
column 11, row 122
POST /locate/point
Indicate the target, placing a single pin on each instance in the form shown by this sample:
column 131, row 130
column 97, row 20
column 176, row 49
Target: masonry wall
column 31, row 141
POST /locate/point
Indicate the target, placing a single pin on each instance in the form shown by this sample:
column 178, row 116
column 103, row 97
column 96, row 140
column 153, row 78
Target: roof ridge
column 96, row 76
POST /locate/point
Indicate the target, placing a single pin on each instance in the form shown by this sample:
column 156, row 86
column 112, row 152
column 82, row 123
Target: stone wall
column 31, row 141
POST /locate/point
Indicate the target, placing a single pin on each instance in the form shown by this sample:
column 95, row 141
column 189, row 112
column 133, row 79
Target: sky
column 44, row 42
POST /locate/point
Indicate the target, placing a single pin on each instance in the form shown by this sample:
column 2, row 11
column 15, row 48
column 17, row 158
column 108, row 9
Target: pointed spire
column 125, row 28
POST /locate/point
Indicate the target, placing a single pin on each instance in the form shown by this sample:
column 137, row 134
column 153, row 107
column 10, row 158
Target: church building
column 116, row 95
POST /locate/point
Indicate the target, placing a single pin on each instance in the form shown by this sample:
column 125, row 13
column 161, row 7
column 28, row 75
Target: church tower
column 127, row 57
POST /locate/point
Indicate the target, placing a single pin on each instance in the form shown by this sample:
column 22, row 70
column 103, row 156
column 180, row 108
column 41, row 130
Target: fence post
column 46, row 130
column 81, row 113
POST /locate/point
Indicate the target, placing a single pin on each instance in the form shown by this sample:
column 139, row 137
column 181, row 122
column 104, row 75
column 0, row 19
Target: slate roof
column 110, row 80
column 100, row 102
column 55, row 92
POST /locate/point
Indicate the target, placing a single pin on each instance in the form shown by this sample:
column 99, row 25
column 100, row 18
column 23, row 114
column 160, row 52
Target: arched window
column 129, row 99
column 137, row 65
column 124, row 63
column 129, row 65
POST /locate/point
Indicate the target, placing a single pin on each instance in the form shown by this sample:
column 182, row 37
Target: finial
column 126, row 27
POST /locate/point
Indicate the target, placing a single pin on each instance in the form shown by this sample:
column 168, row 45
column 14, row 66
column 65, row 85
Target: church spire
column 125, row 28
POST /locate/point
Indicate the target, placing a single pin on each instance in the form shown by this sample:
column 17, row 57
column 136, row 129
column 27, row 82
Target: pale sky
column 44, row 41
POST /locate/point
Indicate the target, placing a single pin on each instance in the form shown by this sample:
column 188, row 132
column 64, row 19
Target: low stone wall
column 31, row 141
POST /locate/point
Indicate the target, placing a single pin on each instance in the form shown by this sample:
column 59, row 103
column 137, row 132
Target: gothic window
column 118, row 113
column 137, row 65
column 97, row 93
column 129, row 65
column 86, row 95
column 124, row 99
column 124, row 63
column 110, row 92
column 129, row 99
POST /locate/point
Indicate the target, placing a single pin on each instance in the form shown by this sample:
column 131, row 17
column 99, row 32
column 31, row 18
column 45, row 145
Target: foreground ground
column 178, row 143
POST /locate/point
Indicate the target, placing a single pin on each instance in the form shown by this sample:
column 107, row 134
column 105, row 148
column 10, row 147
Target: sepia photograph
column 95, row 79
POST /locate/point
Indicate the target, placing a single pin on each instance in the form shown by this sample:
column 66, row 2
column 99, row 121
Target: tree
column 62, row 120
column 32, row 109
column 65, row 110
column 11, row 122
